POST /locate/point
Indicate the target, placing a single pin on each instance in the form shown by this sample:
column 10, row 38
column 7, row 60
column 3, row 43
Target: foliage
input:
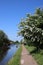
column 31, row 28
column 3, row 39
column 16, row 42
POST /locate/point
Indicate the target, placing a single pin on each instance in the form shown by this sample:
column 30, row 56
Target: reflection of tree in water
column 3, row 53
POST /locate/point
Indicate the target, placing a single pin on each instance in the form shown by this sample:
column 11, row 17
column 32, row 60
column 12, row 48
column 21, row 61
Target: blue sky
column 11, row 12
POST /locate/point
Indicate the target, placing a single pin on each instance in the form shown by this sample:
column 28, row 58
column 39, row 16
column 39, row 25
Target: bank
column 15, row 60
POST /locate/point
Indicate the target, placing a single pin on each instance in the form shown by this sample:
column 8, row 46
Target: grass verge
column 38, row 56
column 16, row 58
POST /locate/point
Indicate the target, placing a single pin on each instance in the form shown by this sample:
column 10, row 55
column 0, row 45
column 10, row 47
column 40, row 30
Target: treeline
column 4, row 40
column 31, row 29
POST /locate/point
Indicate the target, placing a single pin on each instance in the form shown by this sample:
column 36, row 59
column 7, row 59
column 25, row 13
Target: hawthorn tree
column 31, row 28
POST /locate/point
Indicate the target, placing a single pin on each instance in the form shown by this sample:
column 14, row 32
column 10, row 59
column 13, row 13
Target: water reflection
column 6, row 54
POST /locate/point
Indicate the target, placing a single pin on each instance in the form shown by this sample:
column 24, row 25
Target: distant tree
column 3, row 38
column 16, row 42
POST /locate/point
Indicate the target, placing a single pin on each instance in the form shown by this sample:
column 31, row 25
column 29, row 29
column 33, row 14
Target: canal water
column 8, row 54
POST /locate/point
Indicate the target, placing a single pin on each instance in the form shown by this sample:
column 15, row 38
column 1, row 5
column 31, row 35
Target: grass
column 16, row 58
column 38, row 55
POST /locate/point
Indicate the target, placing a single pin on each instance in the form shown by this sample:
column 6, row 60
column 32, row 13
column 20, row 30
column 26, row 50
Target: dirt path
column 26, row 58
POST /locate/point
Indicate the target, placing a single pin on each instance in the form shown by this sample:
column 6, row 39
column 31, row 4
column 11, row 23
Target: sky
column 11, row 12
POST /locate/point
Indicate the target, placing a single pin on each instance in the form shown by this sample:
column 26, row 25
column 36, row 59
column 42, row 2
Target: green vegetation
column 37, row 55
column 31, row 29
column 17, row 42
column 4, row 41
column 16, row 58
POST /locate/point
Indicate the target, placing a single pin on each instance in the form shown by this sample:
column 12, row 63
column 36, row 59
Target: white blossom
column 42, row 33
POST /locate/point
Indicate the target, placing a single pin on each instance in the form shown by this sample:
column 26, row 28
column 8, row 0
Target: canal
column 8, row 54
